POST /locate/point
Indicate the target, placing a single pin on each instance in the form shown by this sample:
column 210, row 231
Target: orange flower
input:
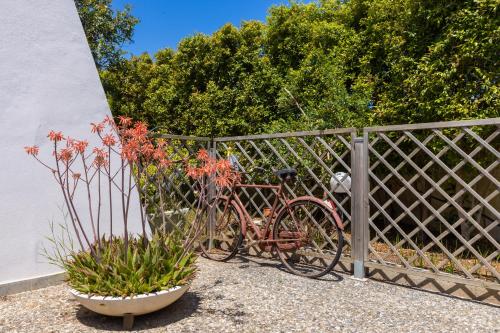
column 109, row 140
column 76, row 176
column 159, row 154
column 207, row 166
column 97, row 128
column 139, row 132
column 99, row 152
column 100, row 157
column 129, row 151
column 79, row 146
column 225, row 175
column 33, row 150
column 65, row 154
column 55, row 136
column 124, row 121
column 108, row 120
column 203, row 155
column 193, row 172
column 147, row 149
column 164, row 163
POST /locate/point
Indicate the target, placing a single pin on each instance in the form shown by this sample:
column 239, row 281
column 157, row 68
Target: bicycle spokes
column 222, row 234
column 317, row 243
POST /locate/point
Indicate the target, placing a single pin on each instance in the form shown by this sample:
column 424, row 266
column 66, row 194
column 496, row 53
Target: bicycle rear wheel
column 221, row 239
column 308, row 241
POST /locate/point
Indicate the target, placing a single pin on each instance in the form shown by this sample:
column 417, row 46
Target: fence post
column 212, row 152
column 359, row 204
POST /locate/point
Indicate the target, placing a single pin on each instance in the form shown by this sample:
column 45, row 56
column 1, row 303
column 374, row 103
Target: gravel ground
column 256, row 295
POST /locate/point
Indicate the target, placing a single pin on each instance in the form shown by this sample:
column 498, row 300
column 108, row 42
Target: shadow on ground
column 186, row 306
column 244, row 261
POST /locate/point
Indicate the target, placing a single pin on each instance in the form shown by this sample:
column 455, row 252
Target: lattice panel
column 172, row 195
column 316, row 157
column 434, row 199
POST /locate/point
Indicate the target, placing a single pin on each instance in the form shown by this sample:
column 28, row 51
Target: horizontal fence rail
column 424, row 198
column 317, row 133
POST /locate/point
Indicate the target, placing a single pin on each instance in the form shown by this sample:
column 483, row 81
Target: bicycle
column 306, row 232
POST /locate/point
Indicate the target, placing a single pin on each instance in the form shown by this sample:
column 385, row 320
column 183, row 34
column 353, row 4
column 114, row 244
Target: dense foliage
column 152, row 266
column 106, row 29
column 324, row 64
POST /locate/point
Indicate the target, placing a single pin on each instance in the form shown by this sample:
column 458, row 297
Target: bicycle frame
column 286, row 229
column 261, row 234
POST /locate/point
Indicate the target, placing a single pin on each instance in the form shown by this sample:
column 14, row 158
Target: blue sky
column 164, row 23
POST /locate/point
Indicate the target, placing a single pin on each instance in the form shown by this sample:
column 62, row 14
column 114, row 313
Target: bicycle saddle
column 286, row 174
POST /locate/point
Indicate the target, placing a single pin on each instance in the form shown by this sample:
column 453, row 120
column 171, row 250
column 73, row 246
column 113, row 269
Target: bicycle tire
column 222, row 247
column 292, row 253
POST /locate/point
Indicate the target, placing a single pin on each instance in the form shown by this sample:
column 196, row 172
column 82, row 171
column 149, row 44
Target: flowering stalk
column 142, row 197
column 138, row 151
column 110, row 200
column 87, row 183
column 99, row 207
column 123, row 141
column 208, row 172
column 34, row 151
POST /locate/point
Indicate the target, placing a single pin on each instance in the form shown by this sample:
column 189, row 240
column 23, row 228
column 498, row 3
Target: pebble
column 249, row 294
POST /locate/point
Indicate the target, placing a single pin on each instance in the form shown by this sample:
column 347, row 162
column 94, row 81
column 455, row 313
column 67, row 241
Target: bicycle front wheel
column 222, row 234
column 307, row 239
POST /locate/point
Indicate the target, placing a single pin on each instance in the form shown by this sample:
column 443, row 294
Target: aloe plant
column 140, row 268
column 104, row 262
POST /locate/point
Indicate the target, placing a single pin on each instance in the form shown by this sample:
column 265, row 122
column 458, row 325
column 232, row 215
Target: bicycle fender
column 335, row 215
column 243, row 218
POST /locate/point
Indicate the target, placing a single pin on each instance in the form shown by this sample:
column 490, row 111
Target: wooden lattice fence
column 424, row 198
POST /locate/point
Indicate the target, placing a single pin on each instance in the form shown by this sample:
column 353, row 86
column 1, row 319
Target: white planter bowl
column 137, row 305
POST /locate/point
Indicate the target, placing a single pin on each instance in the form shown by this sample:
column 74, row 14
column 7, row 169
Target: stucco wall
column 48, row 80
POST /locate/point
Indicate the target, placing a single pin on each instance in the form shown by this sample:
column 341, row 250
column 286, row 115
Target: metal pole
column 359, row 202
column 212, row 151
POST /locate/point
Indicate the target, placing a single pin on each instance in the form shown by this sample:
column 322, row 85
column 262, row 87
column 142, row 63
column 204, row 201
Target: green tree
column 457, row 77
column 325, row 64
column 312, row 49
column 126, row 86
column 428, row 60
column 106, row 30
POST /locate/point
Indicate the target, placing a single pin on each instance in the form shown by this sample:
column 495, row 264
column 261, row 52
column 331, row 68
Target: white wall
column 48, row 80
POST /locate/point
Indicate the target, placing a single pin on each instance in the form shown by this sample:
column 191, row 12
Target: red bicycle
column 306, row 232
